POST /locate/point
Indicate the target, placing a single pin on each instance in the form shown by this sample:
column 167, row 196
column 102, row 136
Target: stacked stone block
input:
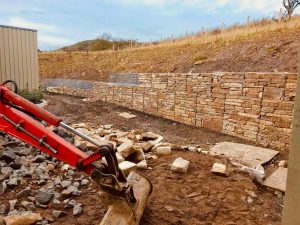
column 253, row 106
column 65, row 90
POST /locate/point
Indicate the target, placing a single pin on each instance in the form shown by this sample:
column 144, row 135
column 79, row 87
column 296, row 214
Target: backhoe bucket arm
column 126, row 198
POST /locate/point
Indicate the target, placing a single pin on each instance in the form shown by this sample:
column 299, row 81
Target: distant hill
column 100, row 44
column 261, row 46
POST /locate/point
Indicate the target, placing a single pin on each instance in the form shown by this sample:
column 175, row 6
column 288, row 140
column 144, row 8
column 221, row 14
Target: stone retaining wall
column 253, row 106
column 78, row 88
column 65, row 90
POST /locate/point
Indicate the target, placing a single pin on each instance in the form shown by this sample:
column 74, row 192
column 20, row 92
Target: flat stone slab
column 246, row 155
column 127, row 115
column 219, row 169
column 277, row 180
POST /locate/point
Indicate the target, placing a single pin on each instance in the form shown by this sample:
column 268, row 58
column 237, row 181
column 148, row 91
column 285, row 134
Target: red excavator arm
column 29, row 123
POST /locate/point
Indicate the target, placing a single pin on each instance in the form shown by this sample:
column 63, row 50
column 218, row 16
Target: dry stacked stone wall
column 253, row 106
column 66, row 90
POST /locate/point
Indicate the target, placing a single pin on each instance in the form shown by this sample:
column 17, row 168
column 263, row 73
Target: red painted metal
column 15, row 99
column 65, row 150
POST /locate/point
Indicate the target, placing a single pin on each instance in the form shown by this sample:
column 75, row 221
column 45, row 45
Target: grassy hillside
column 261, row 46
column 99, row 44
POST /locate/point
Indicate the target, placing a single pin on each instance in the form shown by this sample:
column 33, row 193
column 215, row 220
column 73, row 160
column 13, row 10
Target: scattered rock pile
column 133, row 147
column 39, row 181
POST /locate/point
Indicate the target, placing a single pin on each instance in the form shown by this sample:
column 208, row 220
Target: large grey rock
column 58, row 213
column 142, row 165
column 73, row 190
column 65, row 183
column 70, row 173
column 44, row 196
column 126, row 167
column 23, row 151
column 219, row 169
column 66, row 193
column 107, row 126
column 149, row 136
column 77, row 210
column 12, row 182
column 29, row 206
column 31, row 198
column 41, row 205
column 156, row 141
column 12, row 204
column 8, row 155
column 84, row 182
column 127, row 115
column 163, row 150
column 6, row 170
column 277, row 180
column 146, row 146
column 3, row 209
column 70, row 204
column 180, row 165
column 56, row 201
column 43, row 222
column 244, row 154
column 257, row 173
column 120, row 158
column 138, row 155
column 76, row 184
column 57, row 181
column 126, row 148
column 39, row 159
column 13, row 212
column 24, row 193
column 3, row 188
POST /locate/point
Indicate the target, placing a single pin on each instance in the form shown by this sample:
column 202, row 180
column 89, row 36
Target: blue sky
column 64, row 22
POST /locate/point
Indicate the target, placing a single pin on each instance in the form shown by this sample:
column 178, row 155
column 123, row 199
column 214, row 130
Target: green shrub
column 34, row 96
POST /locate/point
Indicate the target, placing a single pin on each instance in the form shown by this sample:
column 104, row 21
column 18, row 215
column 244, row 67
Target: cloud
column 260, row 6
column 263, row 6
column 53, row 40
column 159, row 3
column 48, row 35
column 17, row 7
column 20, row 22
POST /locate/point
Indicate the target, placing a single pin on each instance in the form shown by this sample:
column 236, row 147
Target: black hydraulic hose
column 16, row 90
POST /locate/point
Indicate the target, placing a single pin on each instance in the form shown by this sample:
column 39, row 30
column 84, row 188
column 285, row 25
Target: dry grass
column 229, row 33
column 232, row 32
column 264, row 45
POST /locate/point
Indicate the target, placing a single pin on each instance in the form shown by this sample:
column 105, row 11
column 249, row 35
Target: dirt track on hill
column 198, row 197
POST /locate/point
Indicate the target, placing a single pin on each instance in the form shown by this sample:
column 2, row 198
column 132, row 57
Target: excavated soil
column 197, row 197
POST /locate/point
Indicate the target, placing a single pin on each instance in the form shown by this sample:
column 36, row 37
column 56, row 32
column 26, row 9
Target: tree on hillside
column 105, row 36
column 290, row 6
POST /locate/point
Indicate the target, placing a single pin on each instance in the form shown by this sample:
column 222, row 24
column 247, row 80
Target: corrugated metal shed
column 18, row 56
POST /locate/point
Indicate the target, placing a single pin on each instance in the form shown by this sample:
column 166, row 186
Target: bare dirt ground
column 197, row 197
